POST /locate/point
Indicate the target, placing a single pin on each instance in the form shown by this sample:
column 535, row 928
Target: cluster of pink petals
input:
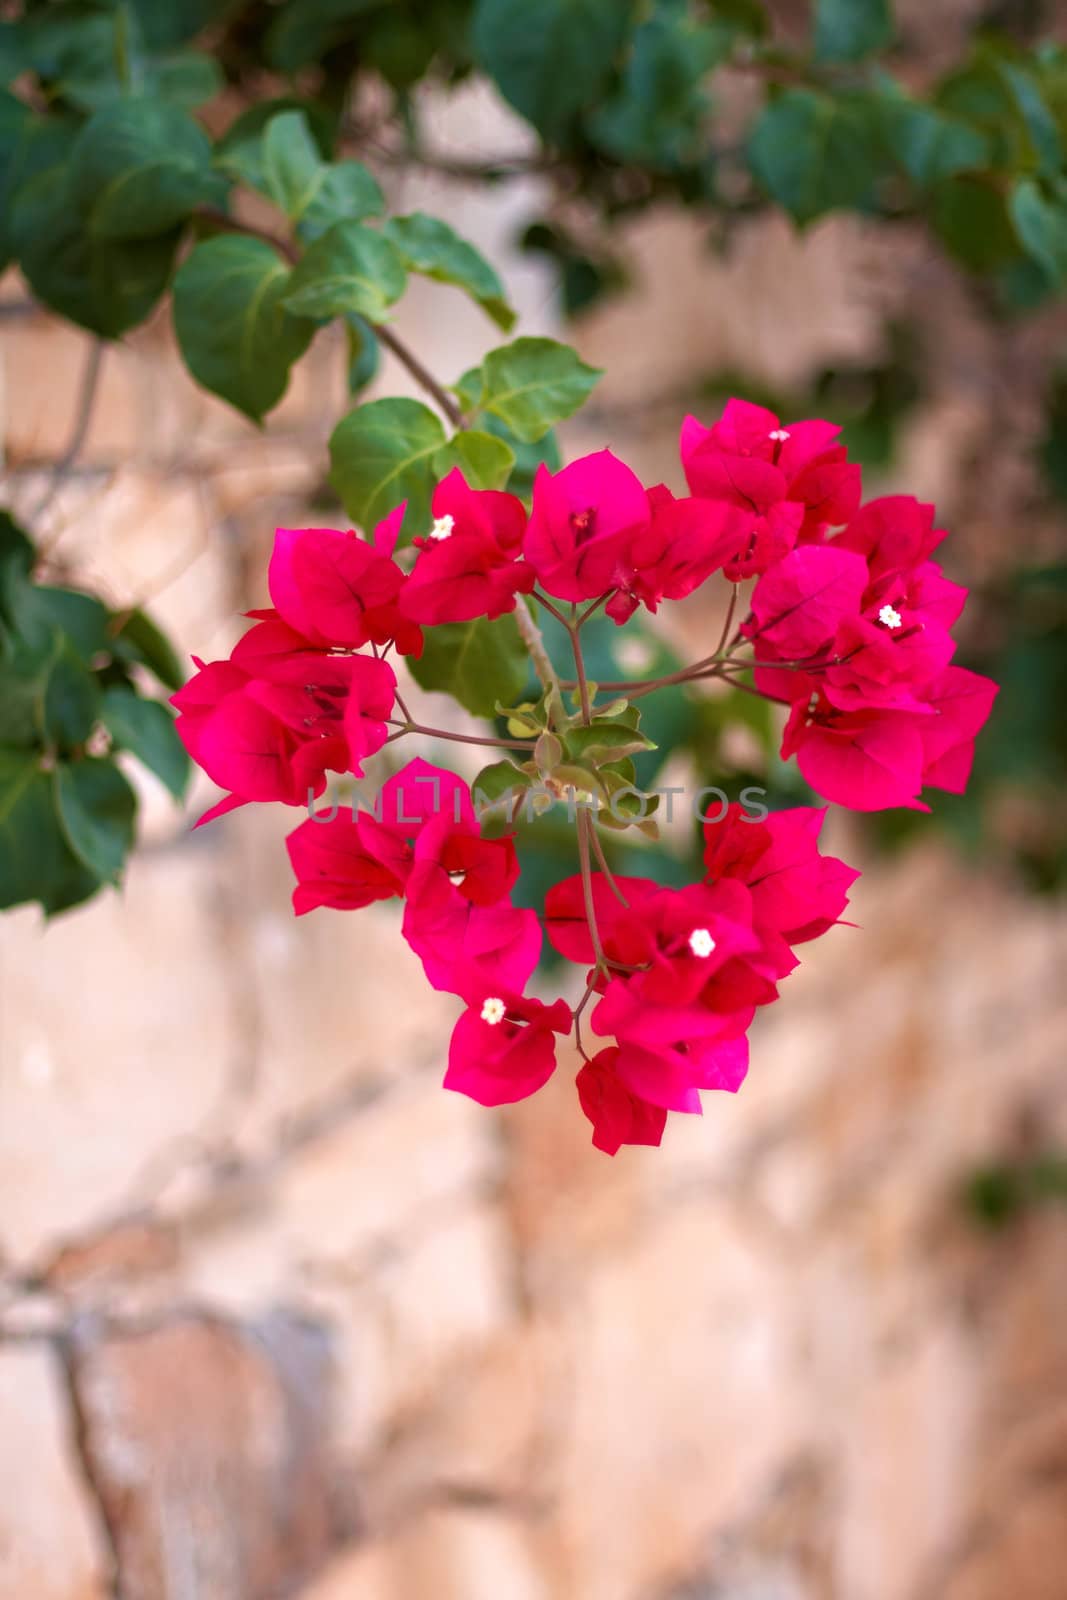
column 878, row 711
column 848, row 623
column 424, row 845
column 687, row 968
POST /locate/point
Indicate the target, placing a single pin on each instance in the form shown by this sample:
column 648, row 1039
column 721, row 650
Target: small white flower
column 493, row 1011
column 779, row 435
column 701, row 943
column 889, row 616
column 442, row 527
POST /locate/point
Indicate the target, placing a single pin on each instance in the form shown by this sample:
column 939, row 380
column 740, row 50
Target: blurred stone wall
column 279, row 1317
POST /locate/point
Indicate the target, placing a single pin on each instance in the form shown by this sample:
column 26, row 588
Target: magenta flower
column 793, row 480
column 618, row 1115
column 583, row 524
column 346, row 861
column 682, row 544
column 270, row 722
column 470, row 563
column 503, row 1047
column 338, row 590
column 867, row 619
column 797, row 894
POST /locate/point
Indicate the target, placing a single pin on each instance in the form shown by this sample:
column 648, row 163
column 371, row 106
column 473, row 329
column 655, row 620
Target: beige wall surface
column 279, row 1317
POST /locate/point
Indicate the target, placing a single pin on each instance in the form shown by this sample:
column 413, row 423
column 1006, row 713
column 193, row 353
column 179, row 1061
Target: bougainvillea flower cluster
column 839, row 613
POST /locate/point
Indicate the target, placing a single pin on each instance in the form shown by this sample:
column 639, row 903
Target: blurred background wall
column 280, row 1317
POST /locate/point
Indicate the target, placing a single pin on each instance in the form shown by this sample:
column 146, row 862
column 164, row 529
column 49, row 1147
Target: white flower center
column 442, row 527
column 779, row 435
column 701, row 943
column 493, row 1011
column 889, row 616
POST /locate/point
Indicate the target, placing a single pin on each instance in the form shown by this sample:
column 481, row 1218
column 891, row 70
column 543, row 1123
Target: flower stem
column 457, row 738
column 533, row 639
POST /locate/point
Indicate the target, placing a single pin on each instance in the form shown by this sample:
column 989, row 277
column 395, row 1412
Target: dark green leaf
column 16, row 546
column 847, row 30
column 71, row 698
column 36, row 862
column 283, row 158
column 1040, row 218
column 304, row 30
column 551, row 65
column 477, row 663
column 140, row 640
column 815, row 153
column 235, row 334
column 658, row 114
column 96, row 810
column 146, row 729
column 971, row 218
column 39, row 611
column 364, row 354
column 141, row 166
column 383, row 453
column 534, row 383
column 433, row 248
column 106, row 285
column 931, row 145
column 351, row 268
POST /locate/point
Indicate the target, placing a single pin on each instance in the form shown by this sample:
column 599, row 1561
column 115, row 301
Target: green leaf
column 1040, row 219
column 141, row 166
column 431, row 247
column 553, row 64
column 36, row 863
column 485, row 461
column 16, row 123
column 815, row 153
column 534, row 383
column 477, row 663
column 303, row 31
column 971, row 218
column 496, row 781
column 383, row 453
column 96, row 810
column 146, row 729
column 658, row 115
column 351, row 268
column 282, row 157
column 16, row 546
column 364, row 354
column 347, row 192
column 929, row 144
column 39, row 611
column 71, row 701
column 235, row 334
column 847, row 30
column 140, row 640
column 105, row 285
column 313, row 193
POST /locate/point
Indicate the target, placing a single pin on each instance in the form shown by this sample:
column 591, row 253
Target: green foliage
column 66, row 810
column 554, row 64
column 350, row 269
column 846, row 30
column 479, row 663
column 383, row 453
column 109, row 179
column 138, row 167
column 235, row 332
column 816, row 152
column 430, row 246
column 529, row 386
